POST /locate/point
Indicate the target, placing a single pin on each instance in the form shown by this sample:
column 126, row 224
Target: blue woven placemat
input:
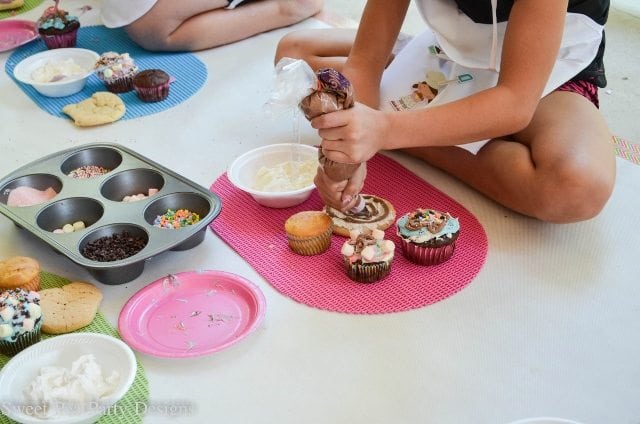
column 189, row 72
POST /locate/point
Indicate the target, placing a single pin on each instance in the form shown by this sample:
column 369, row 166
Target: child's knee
column 291, row 45
column 577, row 193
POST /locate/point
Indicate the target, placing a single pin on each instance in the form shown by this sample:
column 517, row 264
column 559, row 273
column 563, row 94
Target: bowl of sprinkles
column 175, row 220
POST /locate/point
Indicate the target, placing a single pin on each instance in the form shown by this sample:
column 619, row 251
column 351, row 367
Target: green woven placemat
column 28, row 5
column 128, row 408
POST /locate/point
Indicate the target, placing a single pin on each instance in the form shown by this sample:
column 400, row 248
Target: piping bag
column 296, row 85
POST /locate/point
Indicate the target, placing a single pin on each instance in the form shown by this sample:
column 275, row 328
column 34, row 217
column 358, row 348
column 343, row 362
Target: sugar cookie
column 101, row 108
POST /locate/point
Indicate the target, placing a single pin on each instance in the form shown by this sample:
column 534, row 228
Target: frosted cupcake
column 57, row 28
column 20, row 320
column 116, row 71
column 367, row 256
column 428, row 237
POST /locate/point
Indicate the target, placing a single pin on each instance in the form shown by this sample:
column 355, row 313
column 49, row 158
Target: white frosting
column 286, row 176
column 54, row 71
column 58, row 391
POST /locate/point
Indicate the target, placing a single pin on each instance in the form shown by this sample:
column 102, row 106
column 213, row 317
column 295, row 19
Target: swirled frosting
column 423, row 225
column 375, row 210
column 368, row 247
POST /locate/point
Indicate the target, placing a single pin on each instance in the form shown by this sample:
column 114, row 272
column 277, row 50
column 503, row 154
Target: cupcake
column 309, row 232
column 20, row 272
column 152, row 85
column 428, row 237
column 116, row 71
column 367, row 256
column 57, row 28
column 20, row 320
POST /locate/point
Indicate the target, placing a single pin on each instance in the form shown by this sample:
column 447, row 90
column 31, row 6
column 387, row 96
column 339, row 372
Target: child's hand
column 341, row 195
column 353, row 135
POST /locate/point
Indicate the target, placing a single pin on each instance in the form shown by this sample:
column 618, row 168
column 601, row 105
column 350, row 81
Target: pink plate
column 191, row 314
column 16, row 32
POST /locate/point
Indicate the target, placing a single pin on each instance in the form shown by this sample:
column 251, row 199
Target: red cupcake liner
column 153, row 94
column 59, row 41
column 422, row 255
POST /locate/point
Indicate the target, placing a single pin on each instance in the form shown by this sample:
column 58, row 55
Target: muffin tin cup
column 97, row 201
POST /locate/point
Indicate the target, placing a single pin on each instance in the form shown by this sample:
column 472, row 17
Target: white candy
column 78, row 225
column 353, row 234
column 67, row 228
column 368, row 253
column 5, row 330
column 6, row 313
column 58, row 231
column 347, row 249
column 388, row 246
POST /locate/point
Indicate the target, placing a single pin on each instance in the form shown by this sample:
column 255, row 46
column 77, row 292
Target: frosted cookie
column 377, row 213
column 69, row 307
column 101, row 108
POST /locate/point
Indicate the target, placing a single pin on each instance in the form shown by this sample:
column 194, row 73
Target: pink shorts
column 584, row 88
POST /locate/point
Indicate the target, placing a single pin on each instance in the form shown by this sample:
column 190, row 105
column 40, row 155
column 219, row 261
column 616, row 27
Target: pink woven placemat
column 257, row 234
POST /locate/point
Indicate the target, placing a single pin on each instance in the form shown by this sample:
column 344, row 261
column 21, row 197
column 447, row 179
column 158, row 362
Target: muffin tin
column 97, row 201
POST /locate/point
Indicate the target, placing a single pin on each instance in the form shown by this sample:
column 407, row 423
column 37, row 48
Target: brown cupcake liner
column 120, row 85
column 309, row 246
column 423, row 255
column 367, row 272
column 22, row 342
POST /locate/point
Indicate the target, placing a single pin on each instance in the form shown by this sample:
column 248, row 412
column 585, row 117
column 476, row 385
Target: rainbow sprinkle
column 176, row 219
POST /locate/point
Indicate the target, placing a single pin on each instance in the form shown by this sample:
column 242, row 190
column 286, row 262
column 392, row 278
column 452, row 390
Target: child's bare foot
column 300, row 9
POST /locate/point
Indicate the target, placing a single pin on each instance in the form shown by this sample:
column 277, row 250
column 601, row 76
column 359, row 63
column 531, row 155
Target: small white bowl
column 84, row 58
column 111, row 354
column 242, row 172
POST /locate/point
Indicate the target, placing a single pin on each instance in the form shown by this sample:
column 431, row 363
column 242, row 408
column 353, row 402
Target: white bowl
column 86, row 59
column 242, row 172
column 111, row 354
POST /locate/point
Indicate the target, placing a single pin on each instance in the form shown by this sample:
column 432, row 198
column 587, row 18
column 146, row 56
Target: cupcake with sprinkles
column 20, row 320
column 427, row 236
column 367, row 255
column 116, row 71
column 175, row 220
column 57, row 28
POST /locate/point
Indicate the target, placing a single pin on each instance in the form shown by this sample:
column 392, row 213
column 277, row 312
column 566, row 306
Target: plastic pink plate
column 16, row 32
column 191, row 314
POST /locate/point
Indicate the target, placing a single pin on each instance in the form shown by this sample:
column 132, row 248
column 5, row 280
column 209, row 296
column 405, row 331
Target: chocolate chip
column 113, row 248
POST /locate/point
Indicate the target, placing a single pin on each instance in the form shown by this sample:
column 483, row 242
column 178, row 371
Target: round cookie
column 378, row 213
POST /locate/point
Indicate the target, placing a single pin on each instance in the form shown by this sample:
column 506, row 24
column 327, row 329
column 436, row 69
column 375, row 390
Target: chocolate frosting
column 334, row 92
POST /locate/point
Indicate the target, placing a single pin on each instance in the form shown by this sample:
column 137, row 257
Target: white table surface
column 549, row 327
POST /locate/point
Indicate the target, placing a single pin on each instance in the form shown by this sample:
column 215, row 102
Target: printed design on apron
column 423, row 92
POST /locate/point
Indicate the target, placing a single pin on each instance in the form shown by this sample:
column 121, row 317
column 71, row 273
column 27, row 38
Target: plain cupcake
column 116, row 71
column 57, row 28
column 152, row 85
column 309, row 232
column 20, row 272
column 428, row 237
column 20, row 320
column 367, row 256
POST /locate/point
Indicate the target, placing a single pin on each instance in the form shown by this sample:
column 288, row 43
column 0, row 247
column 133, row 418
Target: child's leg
column 320, row 48
column 200, row 24
column 561, row 168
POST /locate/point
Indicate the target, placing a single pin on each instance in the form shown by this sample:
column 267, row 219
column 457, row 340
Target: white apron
column 475, row 49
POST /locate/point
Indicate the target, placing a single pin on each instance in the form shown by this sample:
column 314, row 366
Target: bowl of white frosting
column 57, row 72
column 73, row 378
column 276, row 175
